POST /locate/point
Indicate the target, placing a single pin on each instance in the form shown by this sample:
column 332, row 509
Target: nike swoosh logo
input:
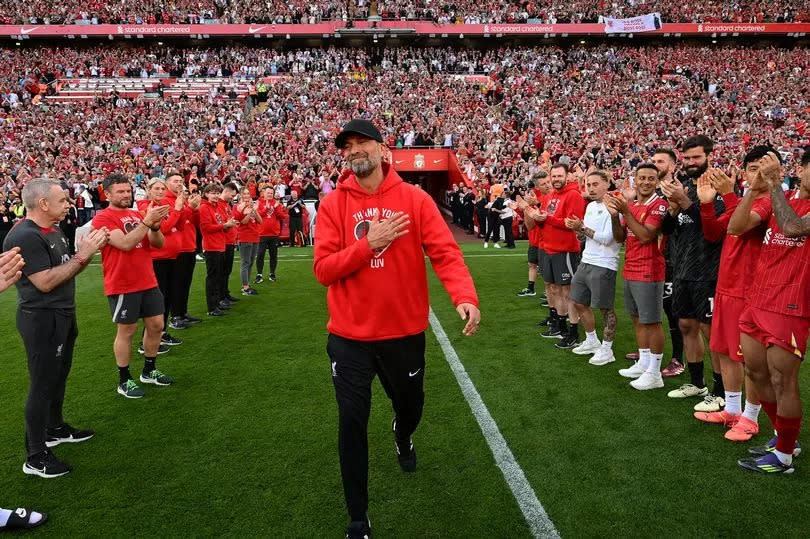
column 28, row 31
column 254, row 30
column 437, row 161
column 398, row 161
column 412, row 374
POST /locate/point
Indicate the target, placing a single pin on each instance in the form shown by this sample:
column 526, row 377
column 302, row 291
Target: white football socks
column 654, row 365
column 643, row 358
column 590, row 337
column 734, row 402
column 751, row 411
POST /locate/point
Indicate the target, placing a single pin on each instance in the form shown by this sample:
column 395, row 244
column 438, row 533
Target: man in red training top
column 373, row 232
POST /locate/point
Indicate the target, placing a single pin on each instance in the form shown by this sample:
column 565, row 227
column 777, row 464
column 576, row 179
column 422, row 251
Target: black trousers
column 164, row 273
column 483, row 221
column 507, row 231
column 493, row 228
column 400, row 364
column 49, row 337
column 296, row 225
column 181, row 283
column 214, row 277
column 229, row 251
column 267, row 243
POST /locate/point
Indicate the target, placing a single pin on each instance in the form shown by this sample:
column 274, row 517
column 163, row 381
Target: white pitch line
column 536, row 517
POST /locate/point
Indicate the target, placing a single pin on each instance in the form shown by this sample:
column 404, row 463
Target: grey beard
column 362, row 167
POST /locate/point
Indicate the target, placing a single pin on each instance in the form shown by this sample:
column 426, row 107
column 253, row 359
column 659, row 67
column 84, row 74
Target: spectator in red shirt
column 214, row 224
column 129, row 280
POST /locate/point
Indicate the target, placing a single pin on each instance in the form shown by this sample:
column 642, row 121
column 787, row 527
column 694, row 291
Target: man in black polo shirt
column 46, row 319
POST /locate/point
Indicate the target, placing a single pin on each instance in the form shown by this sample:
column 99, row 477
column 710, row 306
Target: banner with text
column 634, row 25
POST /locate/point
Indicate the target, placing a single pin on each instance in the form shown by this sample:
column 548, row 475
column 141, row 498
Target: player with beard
column 665, row 160
column 696, row 263
column 738, row 260
column 129, row 280
column 776, row 321
column 373, row 234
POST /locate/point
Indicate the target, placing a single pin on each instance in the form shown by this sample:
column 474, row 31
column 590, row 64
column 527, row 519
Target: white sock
column 734, row 402
column 751, row 411
column 784, row 458
column 654, row 365
column 6, row 513
column 590, row 337
column 643, row 358
column 607, row 345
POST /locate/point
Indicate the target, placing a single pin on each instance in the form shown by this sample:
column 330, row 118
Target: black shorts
column 534, row 257
column 559, row 268
column 693, row 300
column 129, row 308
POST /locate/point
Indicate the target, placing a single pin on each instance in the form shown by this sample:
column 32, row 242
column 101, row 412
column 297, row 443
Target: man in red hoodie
column 272, row 213
column 373, row 232
column 562, row 247
column 186, row 256
column 229, row 190
column 214, row 225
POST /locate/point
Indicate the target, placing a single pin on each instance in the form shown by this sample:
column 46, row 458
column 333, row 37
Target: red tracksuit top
column 189, row 219
column 383, row 295
column 557, row 238
column 272, row 213
column 172, row 228
column 212, row 226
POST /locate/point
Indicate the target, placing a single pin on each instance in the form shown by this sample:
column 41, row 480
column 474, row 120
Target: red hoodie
column 384, row 295
column 272, row 215
column 171, row 227
column 557, row 238
column 230, row 234
column 212, row 226
column 189, row 219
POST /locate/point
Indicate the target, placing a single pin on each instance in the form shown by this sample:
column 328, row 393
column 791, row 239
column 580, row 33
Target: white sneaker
column 688, row 390
column 710, row 403
column 648, row 380
column 633, row 372
column 486, row 245
column 602, row 357
column 587, row 348
column 497, row 245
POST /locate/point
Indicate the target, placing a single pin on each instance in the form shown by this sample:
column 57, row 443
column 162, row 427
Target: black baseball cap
column 358, row 127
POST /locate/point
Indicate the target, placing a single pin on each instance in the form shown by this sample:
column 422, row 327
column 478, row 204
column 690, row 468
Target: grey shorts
column 559, row 268
column 129, row 308
column 534, row 257
column 644, row 300
column 593, row 286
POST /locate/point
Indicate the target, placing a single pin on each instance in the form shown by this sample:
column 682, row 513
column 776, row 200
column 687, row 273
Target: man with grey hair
column 46, row 319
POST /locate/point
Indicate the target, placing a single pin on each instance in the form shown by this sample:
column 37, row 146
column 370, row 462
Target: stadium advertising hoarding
column 418, row 28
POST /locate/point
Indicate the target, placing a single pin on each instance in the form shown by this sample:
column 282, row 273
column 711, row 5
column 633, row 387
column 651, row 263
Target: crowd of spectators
column 602, row 106
column 455, row 11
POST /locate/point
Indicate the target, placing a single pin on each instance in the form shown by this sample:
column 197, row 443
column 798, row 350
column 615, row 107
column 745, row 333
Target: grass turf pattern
column 245, row 442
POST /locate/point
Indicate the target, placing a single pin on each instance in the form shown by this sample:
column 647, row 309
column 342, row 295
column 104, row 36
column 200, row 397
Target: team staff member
column 738, row 261
column 248, row 233
column 594, row 283
column 696, row 264
column 644, row 273
column 776, row 322
column 129, row 280
column 214, row 225
column 373, row 233
column 11, row 264
column 186, row 257
column 272, row 213
column 562, row 249
column 46, row 319
column 295, row 209
column 164, row 260
column 229, row 191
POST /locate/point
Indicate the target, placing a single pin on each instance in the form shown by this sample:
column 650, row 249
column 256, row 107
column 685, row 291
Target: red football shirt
column 780, row 283
column 645, row 261
column 125, row 271
column 226, row 211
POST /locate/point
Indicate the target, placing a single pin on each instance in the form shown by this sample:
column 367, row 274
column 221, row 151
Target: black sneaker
column 249, row 292
column 231, row 298
column 178, row 323
column 67, row 435
column 359, row 529
column 544, row 322
column 46, row 465
column 272, row 277
column 554, row 330
column 567, row 342
column 162, row 349
column 405, row 451
column 225, row 306
column 190, row 320
column 258, row 279
column 169, row 340
column 216, row 312
column 526, row 293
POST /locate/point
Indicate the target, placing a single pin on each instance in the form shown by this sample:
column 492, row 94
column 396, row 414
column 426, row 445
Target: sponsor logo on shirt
column 781, row 240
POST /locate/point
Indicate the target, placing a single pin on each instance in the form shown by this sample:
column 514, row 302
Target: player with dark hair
column 214, row 225
column 776, row 321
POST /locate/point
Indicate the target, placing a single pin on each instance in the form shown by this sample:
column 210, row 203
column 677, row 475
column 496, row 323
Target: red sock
column 787, row 429
column 770, row 410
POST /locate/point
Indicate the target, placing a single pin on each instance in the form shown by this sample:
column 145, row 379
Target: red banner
column 405, row 27
column 418, row 160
